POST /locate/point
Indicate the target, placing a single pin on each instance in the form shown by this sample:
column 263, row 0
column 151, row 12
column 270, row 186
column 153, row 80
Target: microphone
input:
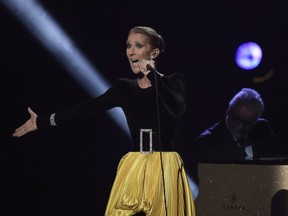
column 150, row 68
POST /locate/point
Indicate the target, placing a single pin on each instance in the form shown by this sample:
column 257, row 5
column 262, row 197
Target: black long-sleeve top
column 139, row 106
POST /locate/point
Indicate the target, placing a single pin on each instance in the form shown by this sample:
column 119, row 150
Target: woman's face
column 138, row 48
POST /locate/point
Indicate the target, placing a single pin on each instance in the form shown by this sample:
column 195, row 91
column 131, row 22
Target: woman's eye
column 139, row 45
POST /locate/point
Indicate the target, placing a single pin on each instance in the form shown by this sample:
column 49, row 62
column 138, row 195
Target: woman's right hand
column 28, row 126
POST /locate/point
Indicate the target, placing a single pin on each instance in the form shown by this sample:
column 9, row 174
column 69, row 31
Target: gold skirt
column 138, row 186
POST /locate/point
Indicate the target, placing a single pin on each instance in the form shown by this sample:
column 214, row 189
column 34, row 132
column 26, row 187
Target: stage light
column 49, row 33
column 248, row 55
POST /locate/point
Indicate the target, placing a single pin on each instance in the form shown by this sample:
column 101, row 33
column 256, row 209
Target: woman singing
column 151, row 178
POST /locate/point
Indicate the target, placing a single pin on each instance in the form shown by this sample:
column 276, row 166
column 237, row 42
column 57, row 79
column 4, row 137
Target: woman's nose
column 131, row 51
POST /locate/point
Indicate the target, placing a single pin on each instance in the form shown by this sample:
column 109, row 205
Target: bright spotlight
column 248, row 55
column 46, row 30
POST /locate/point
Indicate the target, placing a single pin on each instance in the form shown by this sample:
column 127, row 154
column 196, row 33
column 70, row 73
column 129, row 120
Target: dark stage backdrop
column 70, row 171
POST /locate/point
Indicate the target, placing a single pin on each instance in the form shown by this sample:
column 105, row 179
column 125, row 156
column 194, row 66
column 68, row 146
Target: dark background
column 70, row 171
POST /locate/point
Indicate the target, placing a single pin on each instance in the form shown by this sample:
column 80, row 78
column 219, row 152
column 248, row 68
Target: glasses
column 237, row 120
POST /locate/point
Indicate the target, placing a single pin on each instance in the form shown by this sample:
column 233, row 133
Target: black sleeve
column 171, row 91
column 83, row 110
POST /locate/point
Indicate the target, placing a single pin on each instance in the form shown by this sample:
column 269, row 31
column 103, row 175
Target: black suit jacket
column 217, row 143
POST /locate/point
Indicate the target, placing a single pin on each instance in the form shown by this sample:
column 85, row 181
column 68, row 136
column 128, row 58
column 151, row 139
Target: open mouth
column 135, row 63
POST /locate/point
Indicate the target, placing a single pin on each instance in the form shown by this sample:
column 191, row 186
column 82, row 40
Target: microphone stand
column 153, row 70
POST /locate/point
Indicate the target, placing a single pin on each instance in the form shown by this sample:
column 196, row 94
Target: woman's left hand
column 143, row 66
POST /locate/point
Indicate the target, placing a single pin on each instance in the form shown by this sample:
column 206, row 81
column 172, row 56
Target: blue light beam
column 53, row 38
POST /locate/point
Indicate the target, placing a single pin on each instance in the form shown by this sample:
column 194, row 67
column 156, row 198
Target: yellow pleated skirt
column 138, row 186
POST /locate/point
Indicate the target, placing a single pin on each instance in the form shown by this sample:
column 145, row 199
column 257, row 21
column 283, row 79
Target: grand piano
column 243, row 188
